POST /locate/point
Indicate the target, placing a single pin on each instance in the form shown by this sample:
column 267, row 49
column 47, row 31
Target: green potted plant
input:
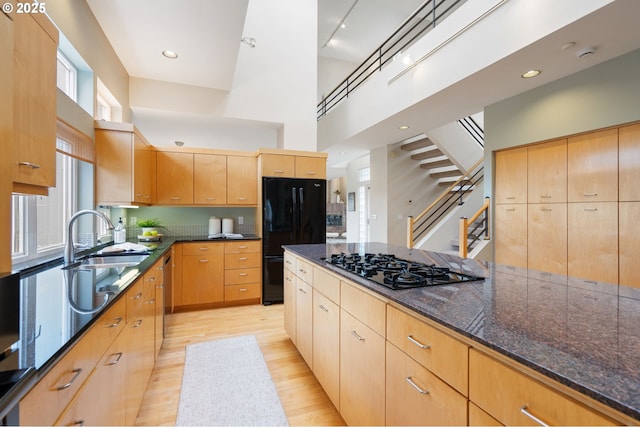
column 149, row 226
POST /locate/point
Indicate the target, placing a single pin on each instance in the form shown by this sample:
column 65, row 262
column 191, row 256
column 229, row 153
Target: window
column 103, row 110
column 364, row 176
column 67, row 77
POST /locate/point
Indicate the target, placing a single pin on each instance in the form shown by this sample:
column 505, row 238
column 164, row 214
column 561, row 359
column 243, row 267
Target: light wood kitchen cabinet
column 202, row 274
column 242, row 180
column 6, row 136
column 415, row 396
column 438, row 352
column 362, row 373
column 278, row 165
column 304, row 320
column 33, row 147
column 510, row 234
column 628, row 243
column 593, row 241
column 174, row 181
column 511, row 176
column 547, row 172
column 242, row 272
column 547, row 237
column 506, row 395
column 209, row 179
column 478, row 417
column 311, row 167
column 326, row 342
column 289, row 295
column 363, row 305
column 154, row 285
column 125, row 165
column 592, row 167
column 629, row 163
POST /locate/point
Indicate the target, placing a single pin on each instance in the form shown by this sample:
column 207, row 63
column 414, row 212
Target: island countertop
column 582, row 334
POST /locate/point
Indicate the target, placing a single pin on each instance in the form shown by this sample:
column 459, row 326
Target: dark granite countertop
column 59, row 306
column 582, row 334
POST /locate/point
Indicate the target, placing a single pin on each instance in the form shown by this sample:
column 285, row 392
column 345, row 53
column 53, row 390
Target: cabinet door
column 290, row 291
column 34, row 95
column 628, row 243
column 362, row 373
column 311, row 167
column 6, row 136
column 174, row 178
column 511, row 235
column 242, row 180
column 277, row 165
column 415, row 396
column 629, row 162
column 142, row 170
column 304, row 321
column 203, row 275
column 593, row 241
column 326, row 342
column 547, row 172
column 592, row 167
column 547, row 237
column 114, row 158
column 511, row 176
column 209, row 179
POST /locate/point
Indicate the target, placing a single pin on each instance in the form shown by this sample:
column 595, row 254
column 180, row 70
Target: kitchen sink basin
column 115, row 261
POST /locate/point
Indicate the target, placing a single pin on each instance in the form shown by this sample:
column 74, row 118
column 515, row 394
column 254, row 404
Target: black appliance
column 397, row 273
column 293, row 212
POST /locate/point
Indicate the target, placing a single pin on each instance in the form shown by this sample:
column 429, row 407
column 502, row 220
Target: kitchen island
column 578, row 338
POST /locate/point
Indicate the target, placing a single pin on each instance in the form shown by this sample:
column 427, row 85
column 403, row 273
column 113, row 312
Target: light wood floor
column 303, row 399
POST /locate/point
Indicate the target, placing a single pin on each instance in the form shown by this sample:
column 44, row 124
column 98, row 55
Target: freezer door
column 278, row 226
column 272, row 280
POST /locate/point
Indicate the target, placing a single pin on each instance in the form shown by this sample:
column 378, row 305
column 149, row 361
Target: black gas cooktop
column 397, row 273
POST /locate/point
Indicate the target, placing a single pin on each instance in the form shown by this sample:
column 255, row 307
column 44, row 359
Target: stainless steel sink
column 115, row 261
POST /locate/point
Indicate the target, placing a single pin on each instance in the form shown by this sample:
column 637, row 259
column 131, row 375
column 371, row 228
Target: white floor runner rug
column 227, row 383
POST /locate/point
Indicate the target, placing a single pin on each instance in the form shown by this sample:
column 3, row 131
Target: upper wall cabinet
column 242, row 180
column 209, row 179
column 629, row 163
column 174, row 181
column 547, row 172
column 592, row 167
column 292, row 164
column 34, row 103
column 125, row 165
column 511, row 176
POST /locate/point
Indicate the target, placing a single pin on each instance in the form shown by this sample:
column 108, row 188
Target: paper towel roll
column 214, row 225
column 227, row 225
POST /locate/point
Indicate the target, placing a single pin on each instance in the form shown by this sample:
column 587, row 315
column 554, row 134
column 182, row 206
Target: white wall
column 379, row 194
column 352, row 183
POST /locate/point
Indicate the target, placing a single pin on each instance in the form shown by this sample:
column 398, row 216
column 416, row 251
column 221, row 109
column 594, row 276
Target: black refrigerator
column 293, row 212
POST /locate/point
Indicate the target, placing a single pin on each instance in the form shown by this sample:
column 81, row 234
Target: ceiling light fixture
column 403, row 127
column 531, row 73
column 249, row 41
column 169, row 54
column 179, row 143
column 341, row 24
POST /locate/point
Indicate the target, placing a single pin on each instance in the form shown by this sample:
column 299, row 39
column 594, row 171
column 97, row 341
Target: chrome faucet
column 69, row 250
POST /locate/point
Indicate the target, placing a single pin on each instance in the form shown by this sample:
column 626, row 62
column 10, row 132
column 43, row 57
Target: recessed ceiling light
column 403, row 127
column 531, row 73
column 169, row 54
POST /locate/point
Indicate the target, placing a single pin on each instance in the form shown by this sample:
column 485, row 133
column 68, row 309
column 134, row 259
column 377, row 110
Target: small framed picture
column 351, row 201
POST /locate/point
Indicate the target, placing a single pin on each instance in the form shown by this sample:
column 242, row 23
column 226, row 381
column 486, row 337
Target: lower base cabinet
column 415, row 396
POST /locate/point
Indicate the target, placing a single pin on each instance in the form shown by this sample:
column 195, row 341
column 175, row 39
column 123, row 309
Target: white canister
column 227, row 225
column 214, row 226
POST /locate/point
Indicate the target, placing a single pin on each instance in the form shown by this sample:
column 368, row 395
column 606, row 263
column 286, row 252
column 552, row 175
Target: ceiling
column 207, row 34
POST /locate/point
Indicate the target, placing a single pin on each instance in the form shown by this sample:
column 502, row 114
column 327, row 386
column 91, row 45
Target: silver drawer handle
column 242, row 274
column 243, row 247
column 323, row 308
column 76, row 373
column 545, row 209
column 545, row 197
column 302, row 271
column 302, row 290
column 211, row 198
column 138, row 323
column 243, row 259
column 116, row 323
column 117, row 359
column 591, row 209
column 532, row 417
column 418, row 343
column 204, row 248
column 204, row 260
column 29, row 165
column 511, row 210
column 243, row 289
column 152, row 278
column 242, row 198
column 590, row 194
column 138, row 295
column 310, row 173
column 416, row 386
column 175, row 198
column 278, row 171
column 358, row 337
column 510, row 197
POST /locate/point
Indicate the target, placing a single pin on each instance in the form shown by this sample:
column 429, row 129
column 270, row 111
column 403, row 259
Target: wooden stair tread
column 417, row 144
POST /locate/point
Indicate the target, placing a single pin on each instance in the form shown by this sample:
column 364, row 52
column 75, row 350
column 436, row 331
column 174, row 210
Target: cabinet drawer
column 109, row 325
column 135, row 300
column 241, row 292
column 327, row 284
column 47, row 400
column 202, row 248
column 304, row 270
column 414, row 396
column 242, row 246
column 441, row 354
column 503, row 392
column 290, row 262
column 241, row 275
column 241, row 260
column 367, row 308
